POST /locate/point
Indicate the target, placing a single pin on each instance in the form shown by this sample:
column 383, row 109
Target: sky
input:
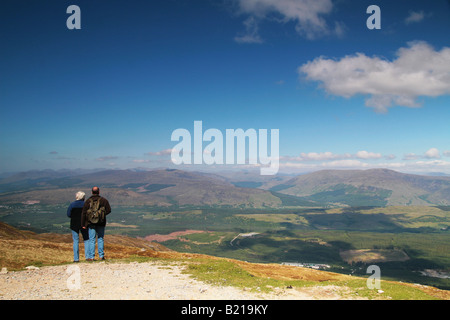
column 110, row 94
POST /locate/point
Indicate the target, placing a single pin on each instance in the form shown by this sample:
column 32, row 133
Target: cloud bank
column 418, row 71
column 306, row 14
column 429, row 161
column 326, row 156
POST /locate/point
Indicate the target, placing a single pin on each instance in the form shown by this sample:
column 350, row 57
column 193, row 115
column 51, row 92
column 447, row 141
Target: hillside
column 220, row 278
column 169, row 187
column 128, row 187
column 374, row 187
column 19, row 248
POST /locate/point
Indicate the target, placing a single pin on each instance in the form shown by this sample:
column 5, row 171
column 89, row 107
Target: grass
column 276, row 218
column 263, row 278
column 16, row 254
column 307, row 235
column 373, row 255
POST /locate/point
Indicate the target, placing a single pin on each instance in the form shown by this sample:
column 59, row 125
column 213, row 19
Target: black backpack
column 96, row 212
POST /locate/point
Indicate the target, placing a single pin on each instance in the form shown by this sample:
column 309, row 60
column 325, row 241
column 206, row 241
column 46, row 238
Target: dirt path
column 128, row 281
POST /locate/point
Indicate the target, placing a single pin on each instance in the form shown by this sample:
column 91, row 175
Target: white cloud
column 429, row 161
column 411, row 156
column 307, row 14
column 390, row 157
column 368, row 155
column 432, row 165
column 432, row 153
column 251, row 34
column 417, row 71
column 419, row 167
column 106, row 158
column 314, row 156
column 336, row 164
column 345, row 164
column 415, row 17
column 141, row 160
column 326, row 156
column 164, row 152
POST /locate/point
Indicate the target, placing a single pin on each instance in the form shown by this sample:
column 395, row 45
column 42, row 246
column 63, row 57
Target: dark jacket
column 103, row 203
column 74, row 213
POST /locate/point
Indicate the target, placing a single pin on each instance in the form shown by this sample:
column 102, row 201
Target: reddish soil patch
column 170, row 236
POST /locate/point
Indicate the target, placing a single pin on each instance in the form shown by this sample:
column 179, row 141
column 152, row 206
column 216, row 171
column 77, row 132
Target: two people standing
column 88, row 218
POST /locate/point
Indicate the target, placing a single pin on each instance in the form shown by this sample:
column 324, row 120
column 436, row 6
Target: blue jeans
column 76, row 241
column 99, row 232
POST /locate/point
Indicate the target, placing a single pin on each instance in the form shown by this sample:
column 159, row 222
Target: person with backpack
column 93, row 218
column 74, row 213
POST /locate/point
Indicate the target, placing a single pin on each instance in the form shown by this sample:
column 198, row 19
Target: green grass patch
column 227, row 273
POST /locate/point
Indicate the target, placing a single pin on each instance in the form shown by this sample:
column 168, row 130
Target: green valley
column 340, row 220
column 408, row 243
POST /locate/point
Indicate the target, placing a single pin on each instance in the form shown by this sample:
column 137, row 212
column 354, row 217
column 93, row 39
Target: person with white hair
column 74, row 213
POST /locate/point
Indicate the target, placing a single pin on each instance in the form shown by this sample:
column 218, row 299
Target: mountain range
column 373, row 187
column 166, row 187
column 129, row 187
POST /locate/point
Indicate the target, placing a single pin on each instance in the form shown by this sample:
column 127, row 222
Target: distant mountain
column 166, row 187
column 374, row 187
column 129, row 187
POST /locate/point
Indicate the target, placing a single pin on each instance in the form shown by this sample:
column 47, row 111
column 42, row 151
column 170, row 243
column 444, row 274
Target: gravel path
column 117, row 281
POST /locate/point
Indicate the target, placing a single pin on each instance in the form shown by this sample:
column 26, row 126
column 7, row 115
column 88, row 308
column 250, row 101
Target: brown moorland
column 19, row 249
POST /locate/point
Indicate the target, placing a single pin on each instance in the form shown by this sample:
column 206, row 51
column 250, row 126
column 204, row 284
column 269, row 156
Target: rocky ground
column 128, row 281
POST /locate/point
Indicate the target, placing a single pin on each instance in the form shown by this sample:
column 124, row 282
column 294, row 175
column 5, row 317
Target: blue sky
column 110, row 94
